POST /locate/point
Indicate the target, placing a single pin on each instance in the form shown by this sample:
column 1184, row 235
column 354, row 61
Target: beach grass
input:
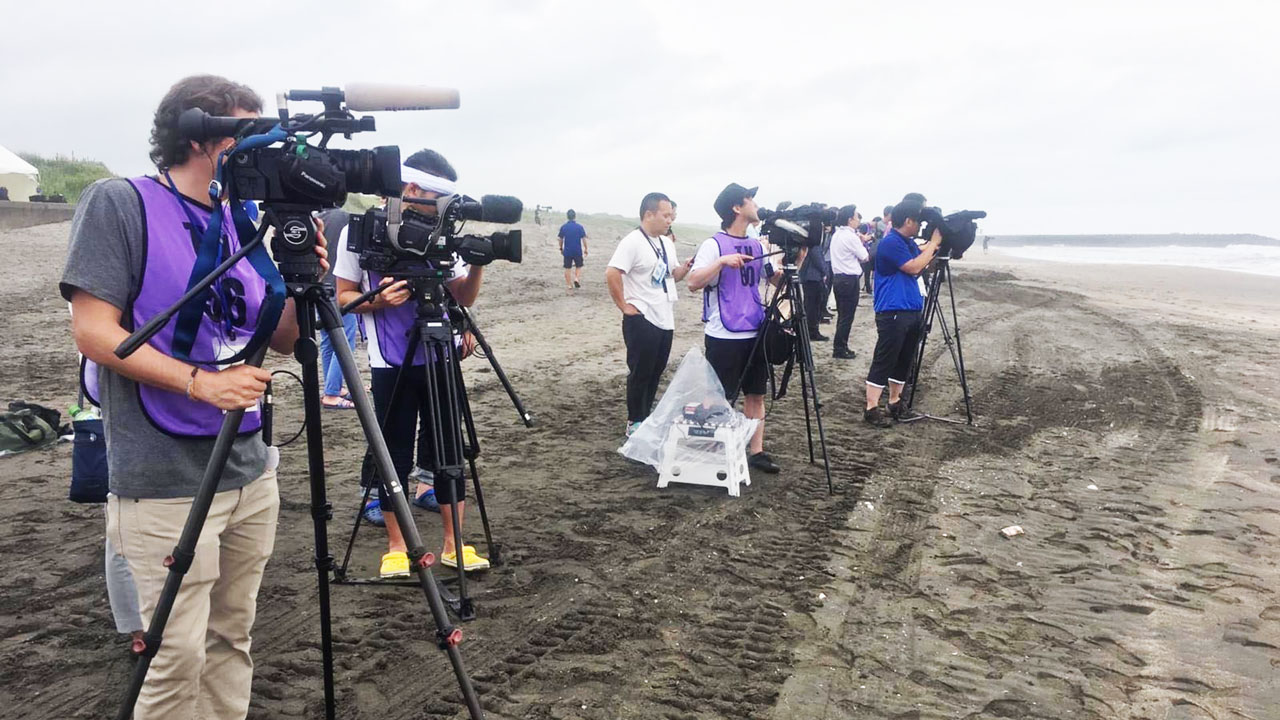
column 66, row 176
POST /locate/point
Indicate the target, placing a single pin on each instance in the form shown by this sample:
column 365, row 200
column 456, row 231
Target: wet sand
column 1151, row 594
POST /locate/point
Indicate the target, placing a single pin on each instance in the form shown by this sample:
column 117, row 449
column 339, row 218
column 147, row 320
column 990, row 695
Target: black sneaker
column 816, row 336
column 577, row 284
column 845, row 354
column 762, row 462
column 902, row 413
column 878, row 417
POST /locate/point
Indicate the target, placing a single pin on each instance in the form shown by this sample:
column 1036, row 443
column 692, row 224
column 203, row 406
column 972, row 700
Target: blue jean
column 331, row 369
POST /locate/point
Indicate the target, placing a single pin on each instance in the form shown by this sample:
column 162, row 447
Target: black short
column 572, row 261
column 734, row 361
column 897, row 339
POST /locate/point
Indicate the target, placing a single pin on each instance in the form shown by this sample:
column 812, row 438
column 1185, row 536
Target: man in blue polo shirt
column 573, row 245
column 898, row 305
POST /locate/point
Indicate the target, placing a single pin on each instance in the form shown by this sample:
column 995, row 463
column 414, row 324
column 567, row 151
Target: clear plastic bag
column 695, row 399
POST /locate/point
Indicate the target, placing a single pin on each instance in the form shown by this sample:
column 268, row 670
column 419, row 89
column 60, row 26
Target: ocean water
column 1252, row 259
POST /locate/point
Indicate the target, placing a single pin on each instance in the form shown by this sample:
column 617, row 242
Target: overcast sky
column 1064, row 117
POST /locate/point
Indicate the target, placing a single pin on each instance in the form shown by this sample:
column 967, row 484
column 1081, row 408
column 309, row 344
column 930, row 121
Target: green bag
column 26, row 426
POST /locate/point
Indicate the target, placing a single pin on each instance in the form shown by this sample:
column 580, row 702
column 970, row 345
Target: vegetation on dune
column 66, row 176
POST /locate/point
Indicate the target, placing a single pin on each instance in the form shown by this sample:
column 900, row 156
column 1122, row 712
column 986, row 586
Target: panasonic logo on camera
column 313, row 181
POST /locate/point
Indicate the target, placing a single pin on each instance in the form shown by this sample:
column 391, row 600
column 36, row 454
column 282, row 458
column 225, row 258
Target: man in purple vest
column 728, row 269
column 388, row 322
column 133, row 246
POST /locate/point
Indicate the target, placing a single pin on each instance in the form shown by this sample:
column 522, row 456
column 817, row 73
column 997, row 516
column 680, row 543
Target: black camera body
column 797, row 227
column 958, row 229
column 303, row 175
column 273, row 163
column 406, row 239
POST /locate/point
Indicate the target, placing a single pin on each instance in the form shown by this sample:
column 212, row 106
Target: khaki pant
column 203, row 669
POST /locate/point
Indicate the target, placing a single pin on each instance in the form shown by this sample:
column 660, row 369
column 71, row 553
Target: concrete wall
column 25, row 214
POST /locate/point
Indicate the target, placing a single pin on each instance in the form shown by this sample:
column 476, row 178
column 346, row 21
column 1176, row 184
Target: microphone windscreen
column 500, row 209
column 370, row 97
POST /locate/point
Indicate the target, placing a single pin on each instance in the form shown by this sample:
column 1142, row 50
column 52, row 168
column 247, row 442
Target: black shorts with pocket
column 734, row 362
column 572, row 261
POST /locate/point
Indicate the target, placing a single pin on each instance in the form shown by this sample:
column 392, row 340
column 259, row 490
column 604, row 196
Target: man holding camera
column 728, row 269
column 848, row 254
column 898, row 305
column 132, row 250
column 642, row 277
column 389, row 320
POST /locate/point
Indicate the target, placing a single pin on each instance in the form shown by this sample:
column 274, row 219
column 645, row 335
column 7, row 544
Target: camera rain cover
column 695, row 399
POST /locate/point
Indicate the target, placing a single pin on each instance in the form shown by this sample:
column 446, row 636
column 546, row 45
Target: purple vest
column 226, row 325
column 738, row 291
column 394, row 326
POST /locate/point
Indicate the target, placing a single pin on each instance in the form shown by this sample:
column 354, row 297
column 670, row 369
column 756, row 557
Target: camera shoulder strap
column 188, row 323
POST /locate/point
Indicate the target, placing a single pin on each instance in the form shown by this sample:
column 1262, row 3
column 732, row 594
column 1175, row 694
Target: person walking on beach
column 848, row 257
column 898, row 305
column 642, row 277
column 573, row 246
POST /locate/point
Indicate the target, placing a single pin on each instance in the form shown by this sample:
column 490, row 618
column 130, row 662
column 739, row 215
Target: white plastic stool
column 722, row 463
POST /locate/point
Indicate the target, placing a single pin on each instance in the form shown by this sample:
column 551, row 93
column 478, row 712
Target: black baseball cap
column 732, row 194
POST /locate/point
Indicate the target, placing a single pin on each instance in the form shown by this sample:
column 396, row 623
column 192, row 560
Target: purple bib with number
column 228, row 320
column 738, row 291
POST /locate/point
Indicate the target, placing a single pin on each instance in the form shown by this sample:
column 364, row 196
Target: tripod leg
column 472, row 451
column 306, row 352
column 964, row 377
column 447, row 637
column 341, row 572
column 446, row 446
column 525, row 417
column 805, row 352
column 184, row 552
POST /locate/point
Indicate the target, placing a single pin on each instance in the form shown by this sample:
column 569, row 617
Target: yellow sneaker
column 394, row 564
column 471, row 560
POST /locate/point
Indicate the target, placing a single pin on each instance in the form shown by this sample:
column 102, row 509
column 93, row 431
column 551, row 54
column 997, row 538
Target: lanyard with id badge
column 661, row 269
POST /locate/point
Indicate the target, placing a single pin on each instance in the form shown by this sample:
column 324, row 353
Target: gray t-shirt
column 105, row 256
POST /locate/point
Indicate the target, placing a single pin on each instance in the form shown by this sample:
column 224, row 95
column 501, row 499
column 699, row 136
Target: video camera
column 958, row 229
column 272, row 161
column 794, row 228
column 422, row 241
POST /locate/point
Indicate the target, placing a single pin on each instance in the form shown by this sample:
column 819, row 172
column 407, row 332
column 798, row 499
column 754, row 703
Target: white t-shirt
column 347, row 266
column 708, row 254
column 847, row 252
column 637, row 257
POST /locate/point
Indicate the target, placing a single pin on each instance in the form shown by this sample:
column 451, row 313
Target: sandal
column 342, row 404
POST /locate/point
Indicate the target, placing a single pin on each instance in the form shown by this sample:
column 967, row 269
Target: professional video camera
column 422, row 241
column 272, row 161
column 793, row 228
column 958, row 229
column 295, row 172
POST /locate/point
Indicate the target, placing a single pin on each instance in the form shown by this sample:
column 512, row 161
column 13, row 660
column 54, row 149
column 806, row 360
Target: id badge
column 658, row 277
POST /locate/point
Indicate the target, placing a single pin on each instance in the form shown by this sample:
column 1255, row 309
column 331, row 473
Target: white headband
column 427, row 181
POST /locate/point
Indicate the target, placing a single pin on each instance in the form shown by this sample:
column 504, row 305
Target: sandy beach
column 1126, row 418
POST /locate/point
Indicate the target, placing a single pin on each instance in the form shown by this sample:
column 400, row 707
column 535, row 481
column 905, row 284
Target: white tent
column 18, row 175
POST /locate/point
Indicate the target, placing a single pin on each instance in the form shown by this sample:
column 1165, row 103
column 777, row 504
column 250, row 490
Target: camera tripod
column 449, row 412
column 932, row 310
column 296, row 232
column 791, row 293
